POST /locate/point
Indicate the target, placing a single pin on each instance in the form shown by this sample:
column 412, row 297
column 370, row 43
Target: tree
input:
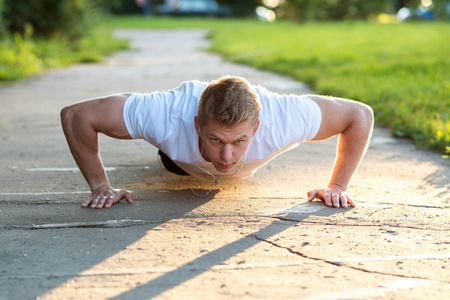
column 47, row 17
column 405, row 3
column 241, row 8
column 2, row 25
column 307, row 10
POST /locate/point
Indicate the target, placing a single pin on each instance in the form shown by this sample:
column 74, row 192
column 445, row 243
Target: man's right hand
column 82, row 122
column 105, row 196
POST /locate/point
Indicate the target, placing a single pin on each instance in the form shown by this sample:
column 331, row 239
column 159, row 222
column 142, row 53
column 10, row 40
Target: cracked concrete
column 255, row 238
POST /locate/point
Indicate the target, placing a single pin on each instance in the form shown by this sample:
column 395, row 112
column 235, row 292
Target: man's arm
column 353, row 121
column 81, row 123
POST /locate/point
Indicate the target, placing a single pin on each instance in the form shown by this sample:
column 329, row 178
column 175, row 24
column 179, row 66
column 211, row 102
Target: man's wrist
column 96, row 186
column 332, row 185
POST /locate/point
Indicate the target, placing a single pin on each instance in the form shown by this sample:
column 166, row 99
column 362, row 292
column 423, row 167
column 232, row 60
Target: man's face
column 224, row 146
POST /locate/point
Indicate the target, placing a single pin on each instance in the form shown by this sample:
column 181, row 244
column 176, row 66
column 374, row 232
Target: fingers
column 109, row 202
column 129, row 196
column 88, row 201
column 118, row 196
column 102, row 200
column 105, row 199
column 335, row 199
column 322, row 194
column 340, row 199
column 332, row 197
column 350, row 201
column 99, row 201
column 312, row 195
column 343, row 200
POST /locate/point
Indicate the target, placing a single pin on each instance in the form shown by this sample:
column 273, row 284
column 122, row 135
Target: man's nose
column 226, row 153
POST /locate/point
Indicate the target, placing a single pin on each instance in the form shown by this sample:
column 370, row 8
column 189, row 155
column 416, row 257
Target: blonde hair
column 229, row 101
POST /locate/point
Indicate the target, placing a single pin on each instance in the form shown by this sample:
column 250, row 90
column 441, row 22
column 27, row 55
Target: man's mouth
column 226, row 166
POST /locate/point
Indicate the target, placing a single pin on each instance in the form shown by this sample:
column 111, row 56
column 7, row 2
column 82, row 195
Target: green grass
column 139, row 22
column 401, row 70
column 21, row 57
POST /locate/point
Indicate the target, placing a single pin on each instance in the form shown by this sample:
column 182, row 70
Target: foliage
column 320, row 10
column 42, row 34
column 2, row 24
column 109, row 6
column 23, row 56
column 440, row 7
column 17, row 58
column 241, row 8
column 308, row 10
column 119, row 6
column 47, row 18
column 398, row 4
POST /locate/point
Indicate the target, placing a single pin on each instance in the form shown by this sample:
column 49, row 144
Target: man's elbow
column 66, row 115
column 71, row 117
column 368, row 116
column 364, row 119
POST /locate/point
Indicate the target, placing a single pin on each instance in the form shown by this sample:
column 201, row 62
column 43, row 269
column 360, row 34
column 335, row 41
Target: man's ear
column 197, row 125
column 256, row 128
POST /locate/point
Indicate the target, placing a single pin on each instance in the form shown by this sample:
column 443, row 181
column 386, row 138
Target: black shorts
column 170, row 165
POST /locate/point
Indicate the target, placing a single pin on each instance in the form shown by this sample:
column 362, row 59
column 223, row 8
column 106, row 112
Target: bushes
column 23, row 56
column 47, row 18
column 41, row 34
column 17, row 58
column 2, row 25
column 308, row 10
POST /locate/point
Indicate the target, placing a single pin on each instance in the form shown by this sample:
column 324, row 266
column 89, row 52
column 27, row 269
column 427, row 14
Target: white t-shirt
column 166, row 120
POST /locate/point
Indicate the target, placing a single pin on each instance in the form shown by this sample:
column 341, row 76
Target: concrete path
column 250, row 239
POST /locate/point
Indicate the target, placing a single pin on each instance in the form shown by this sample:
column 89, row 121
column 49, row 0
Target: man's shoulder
column 193, row 85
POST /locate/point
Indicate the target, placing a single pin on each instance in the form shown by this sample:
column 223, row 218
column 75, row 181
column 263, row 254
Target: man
column 221, row 130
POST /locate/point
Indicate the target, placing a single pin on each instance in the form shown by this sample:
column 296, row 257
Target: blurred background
column 48, row 17
column 391, row 54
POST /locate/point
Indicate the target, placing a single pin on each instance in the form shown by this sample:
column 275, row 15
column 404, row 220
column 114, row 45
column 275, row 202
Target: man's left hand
column 333, row 197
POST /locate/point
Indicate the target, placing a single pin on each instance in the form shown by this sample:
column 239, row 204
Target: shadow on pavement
column 204, row 263
column 39, row 256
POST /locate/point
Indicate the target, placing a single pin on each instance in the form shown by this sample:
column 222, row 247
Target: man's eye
column 239, row 142
column 214, row 140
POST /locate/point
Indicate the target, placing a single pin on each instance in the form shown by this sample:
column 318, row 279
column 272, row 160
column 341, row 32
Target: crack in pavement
column 377, row 210
column 36, row 202
column 410, row 205
column 129, row 223
column 150, row 271
column 98, row 224
column 340, row 264
column 433, row 227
